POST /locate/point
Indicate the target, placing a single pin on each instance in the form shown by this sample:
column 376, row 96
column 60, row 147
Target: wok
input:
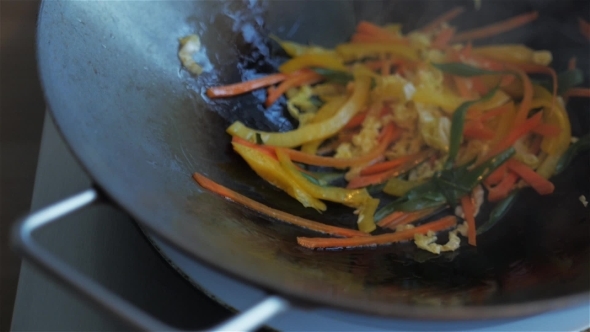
column 140, row 125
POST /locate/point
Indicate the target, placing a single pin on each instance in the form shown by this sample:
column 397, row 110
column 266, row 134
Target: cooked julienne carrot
column 496, row 176
column 390, row 133
column 397, row 215
column 541, row 185
column 244, row 87
column 476, row 130
column 446, row 17
column 490, row 114
column 496, row 28
column 547, row 130
column 274, row 213
column 366, row 180
column 584, row 27
column 517, row 132
column 388, row 165
column 500, row 191
column 578, row 92
column 527, row 97
column 464, row 86
column 469, row 211
column 410, row 217
column 368, row 28
column 443, row 38
column 479, row 86
column 438, row 225
column 539, row 69
column 294, row 80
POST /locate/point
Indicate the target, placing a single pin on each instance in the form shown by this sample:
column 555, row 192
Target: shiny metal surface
column 141, row 126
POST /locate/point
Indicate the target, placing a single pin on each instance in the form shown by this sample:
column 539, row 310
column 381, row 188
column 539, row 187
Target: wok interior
column 141, row 126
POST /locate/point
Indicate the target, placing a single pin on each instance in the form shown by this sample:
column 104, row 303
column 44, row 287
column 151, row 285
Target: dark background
column 21, row 119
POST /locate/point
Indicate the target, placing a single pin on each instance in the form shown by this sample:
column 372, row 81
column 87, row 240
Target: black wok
column 140, row 125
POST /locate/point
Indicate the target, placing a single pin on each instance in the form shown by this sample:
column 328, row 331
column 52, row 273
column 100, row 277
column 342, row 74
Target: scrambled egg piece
column 298, row 99
column 190, row 45
column 428, row 242
column 366, row 140
column 425, row 170
column 435, row 128
column 408, row 143
column 543, row 58
column 583, row 200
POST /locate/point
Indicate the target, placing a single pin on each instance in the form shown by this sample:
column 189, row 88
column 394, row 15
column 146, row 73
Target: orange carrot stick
column 390, row 133
column 517, row 132
column 578, row 92
column 584, row 27
column 547, row 130
column 363, row 181
column 274, row 213
column 496, row 176
column 356, row 120
column 244, row 87
column 541, row 185
column 490, row 114
column 527, row 98
column 464, row 86
column 476, row 130
column 469, row 211
column 445, row 17
column 388, row 165
column 539, row 69
column 438, row 225
column 496, row 28
column 443, row 38
column 479, row 86
column 260, row 148
column 500, row 191
column 294, row 80
column 396, row 215
column 411, row 217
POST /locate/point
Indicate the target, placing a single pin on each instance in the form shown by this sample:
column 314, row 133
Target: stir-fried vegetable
column 418, row 118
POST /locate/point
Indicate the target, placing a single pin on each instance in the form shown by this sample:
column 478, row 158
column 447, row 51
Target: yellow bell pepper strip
column 295, row 49
column 311, row 147
column 313, row 131
column 398, row 187
column 325, row 112
column 270, row 170
column 515, row 53
column 352, row 198
column 274, row 213
column 553, row 145
column 365, row 221
column 359, row 199
column 445, row 98
column 352, row 52
column 547, row 166
column 310, row 61
column 329, row 109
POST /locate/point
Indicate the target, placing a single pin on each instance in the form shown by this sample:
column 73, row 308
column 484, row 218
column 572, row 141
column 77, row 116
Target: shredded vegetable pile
column 425, row 119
